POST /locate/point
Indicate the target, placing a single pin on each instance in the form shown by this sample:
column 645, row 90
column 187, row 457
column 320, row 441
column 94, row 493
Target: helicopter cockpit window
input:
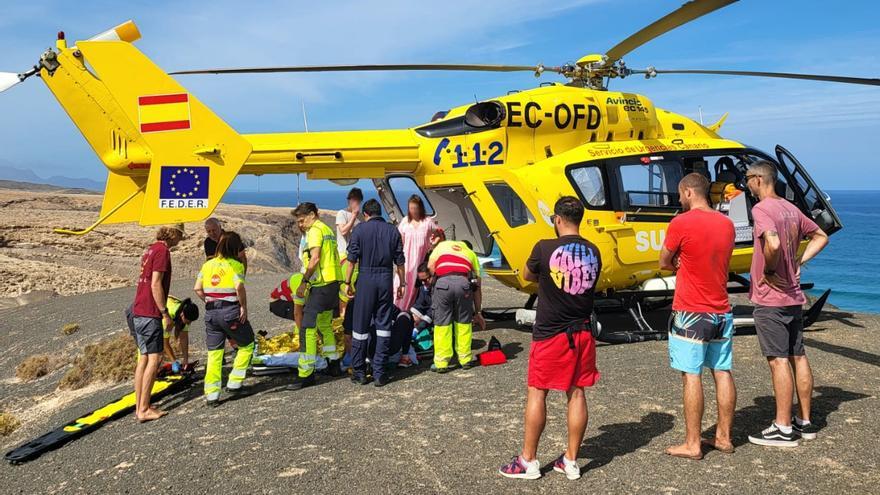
column 653, row 184
column 512, row 207
column 589, row 183
column 403, row 187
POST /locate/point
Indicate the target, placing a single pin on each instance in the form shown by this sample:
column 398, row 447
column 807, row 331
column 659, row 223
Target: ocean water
column 325, row 199
column 850, row 265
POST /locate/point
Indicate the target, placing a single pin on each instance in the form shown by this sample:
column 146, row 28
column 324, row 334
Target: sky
column 831, row 128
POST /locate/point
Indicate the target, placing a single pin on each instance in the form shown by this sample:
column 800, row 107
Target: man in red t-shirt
column 698, row 246
column 776, row 292
column 149, row 316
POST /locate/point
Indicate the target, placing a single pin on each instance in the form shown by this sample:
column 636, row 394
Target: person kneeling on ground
column 421, row 312
column 456, row 303
column 182, row 313
column 220, row 285
column 284, row 303
column 563, row 352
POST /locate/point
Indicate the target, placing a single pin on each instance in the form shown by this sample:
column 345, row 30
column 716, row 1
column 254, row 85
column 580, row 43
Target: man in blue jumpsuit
column 376, row 248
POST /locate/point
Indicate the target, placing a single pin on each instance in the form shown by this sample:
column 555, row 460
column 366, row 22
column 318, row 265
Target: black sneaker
column 360, row 379
column 473, row 363
column 807, row 432
column 774, row 437
column 212, row 403
column 334, row 368
column 302, row 383
column 382, row 381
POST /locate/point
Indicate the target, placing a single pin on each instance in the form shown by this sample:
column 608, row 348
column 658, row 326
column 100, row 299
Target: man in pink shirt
column 776, row 293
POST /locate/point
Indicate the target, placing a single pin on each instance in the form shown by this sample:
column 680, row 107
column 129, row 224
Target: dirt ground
column 36, row 263
column 432, row 433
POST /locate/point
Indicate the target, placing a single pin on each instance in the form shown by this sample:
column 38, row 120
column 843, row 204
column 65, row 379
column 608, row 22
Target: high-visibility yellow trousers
column 443, row 343
column 308, row 352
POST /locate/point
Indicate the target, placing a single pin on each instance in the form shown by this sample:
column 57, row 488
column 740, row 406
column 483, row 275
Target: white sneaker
column 570, row 469
column 518, row 468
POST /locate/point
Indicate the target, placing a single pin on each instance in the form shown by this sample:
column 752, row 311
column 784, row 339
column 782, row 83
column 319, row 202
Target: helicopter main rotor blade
column 781, row 75
column 8, row 80
column 376, row 67
column 684, row 14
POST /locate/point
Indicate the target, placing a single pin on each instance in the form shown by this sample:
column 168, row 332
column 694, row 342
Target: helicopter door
column 814, row 203
column 646, row 195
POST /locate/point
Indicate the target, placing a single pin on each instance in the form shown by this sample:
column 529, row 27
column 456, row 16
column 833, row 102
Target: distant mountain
column 24, row 175
column 31, row 186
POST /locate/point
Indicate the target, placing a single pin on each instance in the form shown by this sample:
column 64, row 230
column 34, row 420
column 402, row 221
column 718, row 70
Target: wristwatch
column 164, row 311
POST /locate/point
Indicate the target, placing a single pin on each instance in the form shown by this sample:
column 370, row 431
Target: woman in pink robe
column 415, row 230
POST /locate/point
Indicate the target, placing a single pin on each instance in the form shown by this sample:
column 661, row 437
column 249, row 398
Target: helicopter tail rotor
column 8, row 80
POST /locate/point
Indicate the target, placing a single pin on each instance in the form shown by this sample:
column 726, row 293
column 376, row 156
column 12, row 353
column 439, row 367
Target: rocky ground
column 434, row 433
column 422, row 433
column 36, row 263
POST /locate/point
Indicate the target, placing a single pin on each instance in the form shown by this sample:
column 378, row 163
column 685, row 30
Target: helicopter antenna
column 306, row 125
column 700, row 107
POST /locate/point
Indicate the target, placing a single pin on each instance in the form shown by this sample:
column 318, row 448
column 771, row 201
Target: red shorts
column 554, row 365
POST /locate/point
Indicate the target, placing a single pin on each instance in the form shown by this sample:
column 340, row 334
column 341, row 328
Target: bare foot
column 721, row 446
column 149, row 415
column 158, row 411
column 685, row 452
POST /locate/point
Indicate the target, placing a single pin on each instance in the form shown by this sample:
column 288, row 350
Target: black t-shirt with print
column 567, row 268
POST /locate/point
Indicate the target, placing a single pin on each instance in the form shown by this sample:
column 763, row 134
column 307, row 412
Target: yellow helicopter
column 490, row 170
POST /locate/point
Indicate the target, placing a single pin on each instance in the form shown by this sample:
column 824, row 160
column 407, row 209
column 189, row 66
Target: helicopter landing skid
column 635, row 303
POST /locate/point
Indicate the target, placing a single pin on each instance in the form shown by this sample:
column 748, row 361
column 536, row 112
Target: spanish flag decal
column 164, row 112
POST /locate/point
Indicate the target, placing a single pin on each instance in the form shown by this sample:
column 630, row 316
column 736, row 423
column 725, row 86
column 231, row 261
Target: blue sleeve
column 354, row 246
column 399, row 258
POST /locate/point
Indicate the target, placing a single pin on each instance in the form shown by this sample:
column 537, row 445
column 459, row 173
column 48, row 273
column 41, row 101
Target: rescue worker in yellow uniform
column 456, row 303
column 321, row 276
column 221, row 285
column 284, row 303
column 182, row 313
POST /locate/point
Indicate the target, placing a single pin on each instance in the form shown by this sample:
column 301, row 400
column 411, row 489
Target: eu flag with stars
column 184, row 183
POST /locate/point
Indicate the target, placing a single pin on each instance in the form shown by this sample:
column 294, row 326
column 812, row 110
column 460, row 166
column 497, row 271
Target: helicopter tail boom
column 169, row 157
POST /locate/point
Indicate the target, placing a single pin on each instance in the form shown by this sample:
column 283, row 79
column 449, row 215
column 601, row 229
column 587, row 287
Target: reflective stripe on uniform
column 306, row 362
column 218, row 278
column 240, row 365
column 383, row 333
column 442, row 345
column 214, row 374
column 360, row 336
column 214, row 394
column 329, row 348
